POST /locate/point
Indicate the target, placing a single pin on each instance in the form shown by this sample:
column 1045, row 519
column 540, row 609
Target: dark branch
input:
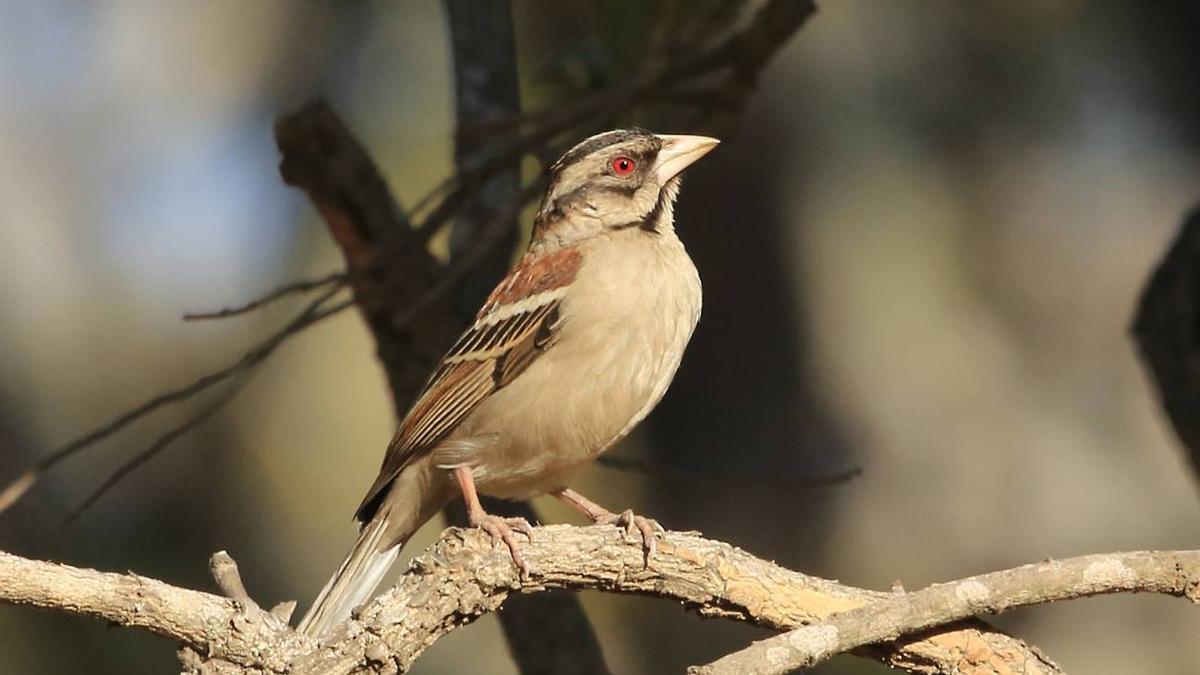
column 322, row 157
column 1167, row 329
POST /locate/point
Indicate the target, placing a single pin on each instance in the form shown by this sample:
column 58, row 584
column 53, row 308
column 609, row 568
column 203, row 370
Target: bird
column 574, row 346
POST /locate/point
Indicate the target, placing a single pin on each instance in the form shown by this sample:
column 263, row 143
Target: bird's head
column 616, row 180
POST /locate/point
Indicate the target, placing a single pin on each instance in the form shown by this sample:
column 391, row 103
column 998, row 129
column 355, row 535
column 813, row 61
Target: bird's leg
column 649, row 528
column 498, row 527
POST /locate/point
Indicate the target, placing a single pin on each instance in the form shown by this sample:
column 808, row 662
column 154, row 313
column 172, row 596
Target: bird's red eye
column 623, row 166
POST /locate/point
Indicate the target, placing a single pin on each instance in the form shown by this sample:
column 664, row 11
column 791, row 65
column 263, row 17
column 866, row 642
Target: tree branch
column 388, row 264
column 295, row 288
column 206, row 622
column 1167, row 329
column 462, row 577
column 1169, row 572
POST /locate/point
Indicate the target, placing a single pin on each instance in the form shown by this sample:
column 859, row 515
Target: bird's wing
column 516, row 325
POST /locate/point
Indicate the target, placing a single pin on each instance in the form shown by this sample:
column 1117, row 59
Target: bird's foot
column 629, row 521
column 500, row 529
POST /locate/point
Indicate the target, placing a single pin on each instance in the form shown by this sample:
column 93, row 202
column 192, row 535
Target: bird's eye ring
column 623, row 166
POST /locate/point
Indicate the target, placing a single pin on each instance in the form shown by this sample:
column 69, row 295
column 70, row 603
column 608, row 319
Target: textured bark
column 206, row 622
column 462, row 577
column 1168, row 572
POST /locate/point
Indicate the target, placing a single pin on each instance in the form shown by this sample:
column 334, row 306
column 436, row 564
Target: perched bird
column 571, row 350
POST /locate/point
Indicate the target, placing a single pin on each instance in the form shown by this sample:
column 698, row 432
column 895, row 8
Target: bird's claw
column 649, row 528
column 500, row 529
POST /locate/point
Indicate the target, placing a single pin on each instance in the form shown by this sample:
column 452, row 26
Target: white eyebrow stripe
column 502, row 312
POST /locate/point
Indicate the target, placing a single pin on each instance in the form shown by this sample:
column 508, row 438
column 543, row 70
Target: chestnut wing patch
column 488, row 356
column 533, row 276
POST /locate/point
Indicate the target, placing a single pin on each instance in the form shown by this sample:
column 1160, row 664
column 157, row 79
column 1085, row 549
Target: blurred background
column 921, row 248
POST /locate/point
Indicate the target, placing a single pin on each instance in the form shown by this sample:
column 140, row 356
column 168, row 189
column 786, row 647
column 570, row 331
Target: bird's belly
column 604, row 374
column 559, row 415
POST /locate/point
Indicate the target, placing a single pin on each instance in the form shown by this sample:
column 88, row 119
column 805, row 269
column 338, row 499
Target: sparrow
column 572, row 349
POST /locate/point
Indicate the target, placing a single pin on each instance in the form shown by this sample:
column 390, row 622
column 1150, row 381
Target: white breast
column 626, row 320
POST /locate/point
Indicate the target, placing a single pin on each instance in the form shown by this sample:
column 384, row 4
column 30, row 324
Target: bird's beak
column 678, row 153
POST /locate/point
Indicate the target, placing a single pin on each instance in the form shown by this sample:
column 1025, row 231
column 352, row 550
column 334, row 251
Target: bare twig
column 294, row 288
column 151, row 451
column 744, row 54
column 315, row 311
column 462, row 577
column 1169, row 572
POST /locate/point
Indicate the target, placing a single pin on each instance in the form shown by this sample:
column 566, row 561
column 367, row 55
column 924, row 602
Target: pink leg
column 650, row 530
column 499, row 528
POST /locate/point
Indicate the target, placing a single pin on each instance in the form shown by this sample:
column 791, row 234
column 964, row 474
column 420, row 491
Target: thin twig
column 1170, row 572
column 745, row 53
column 311, row 314
column 491, row 233
column 294, row 288
column 151, row 451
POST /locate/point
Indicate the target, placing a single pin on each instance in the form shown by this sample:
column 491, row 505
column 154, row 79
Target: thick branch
column 462, row 577
column 1169, row 572
column 322, row 157
column 388, row 265
column 209, row 623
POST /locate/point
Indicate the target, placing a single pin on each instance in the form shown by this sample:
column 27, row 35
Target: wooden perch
column 462, row 577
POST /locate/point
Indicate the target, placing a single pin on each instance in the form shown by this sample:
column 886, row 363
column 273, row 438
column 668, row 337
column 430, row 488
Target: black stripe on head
column 598, row 142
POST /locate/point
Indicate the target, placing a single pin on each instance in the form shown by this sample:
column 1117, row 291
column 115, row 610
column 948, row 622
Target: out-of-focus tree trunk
column 742, row 410
column 549, row 632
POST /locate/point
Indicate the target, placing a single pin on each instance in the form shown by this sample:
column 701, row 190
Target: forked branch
column 1169, row 572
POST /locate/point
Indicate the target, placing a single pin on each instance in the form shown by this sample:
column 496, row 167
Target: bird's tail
column 354, row 581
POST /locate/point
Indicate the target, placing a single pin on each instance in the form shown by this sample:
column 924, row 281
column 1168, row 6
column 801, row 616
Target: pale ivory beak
column 678, row 153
